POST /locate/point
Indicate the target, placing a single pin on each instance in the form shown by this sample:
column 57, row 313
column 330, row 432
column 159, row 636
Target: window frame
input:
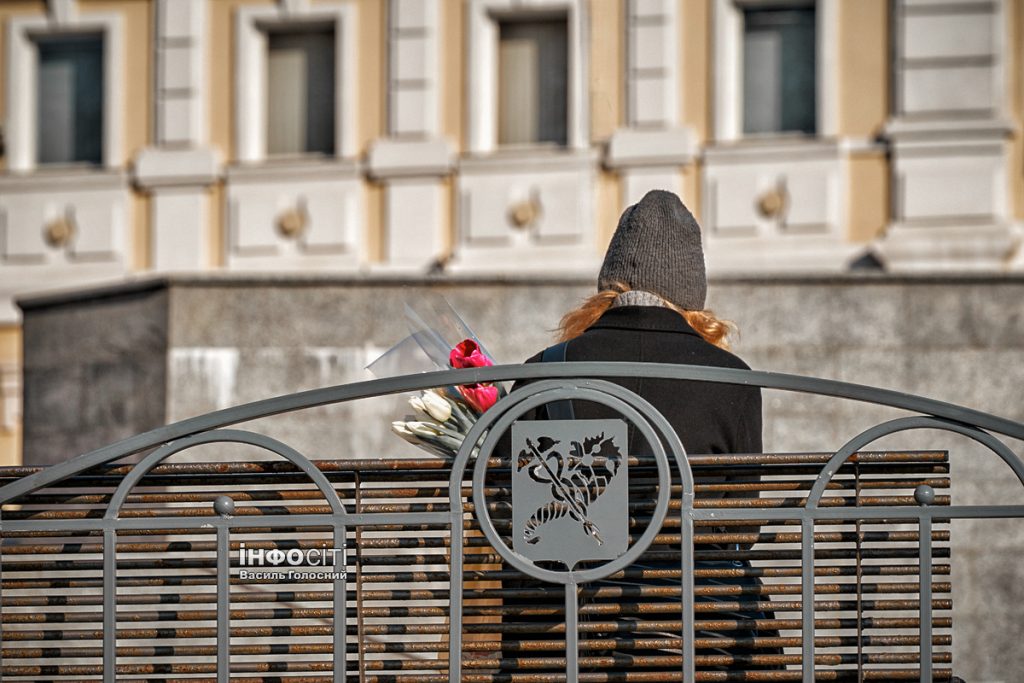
column 23, row 34
column 252, row 25
column 484, row 17
column 728, row 68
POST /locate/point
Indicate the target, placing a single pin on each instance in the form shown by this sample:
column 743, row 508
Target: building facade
column 375, row 137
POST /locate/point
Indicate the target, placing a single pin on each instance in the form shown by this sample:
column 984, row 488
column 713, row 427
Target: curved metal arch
column 558, row 390
column 508, row 402
column 539, row 396
column 224, row 436
column 501, row 373
column 901, row 425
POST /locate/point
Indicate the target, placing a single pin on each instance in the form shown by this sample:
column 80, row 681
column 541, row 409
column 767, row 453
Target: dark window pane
column 779, row 82
column 300, row 92
column 533, row 82
column 70, row 100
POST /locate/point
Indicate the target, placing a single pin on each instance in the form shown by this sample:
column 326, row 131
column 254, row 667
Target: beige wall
column 696, row 96
column 863, row 66
column 216, row 215
column 453, row 65
column 10, row 353
column 607, row 60
column 864, row 73
column 867, row 192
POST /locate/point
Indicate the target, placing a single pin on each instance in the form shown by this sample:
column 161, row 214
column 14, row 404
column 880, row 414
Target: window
column 300, row 92
column 70, row 100
column 779, row 93
column 533, row 82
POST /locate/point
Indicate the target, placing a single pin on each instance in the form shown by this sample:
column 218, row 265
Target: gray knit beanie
column 656, row 248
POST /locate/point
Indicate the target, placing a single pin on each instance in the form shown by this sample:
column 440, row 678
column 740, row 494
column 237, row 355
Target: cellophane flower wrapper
column 439, row 339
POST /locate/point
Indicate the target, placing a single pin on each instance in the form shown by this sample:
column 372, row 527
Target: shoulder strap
column 557, row 410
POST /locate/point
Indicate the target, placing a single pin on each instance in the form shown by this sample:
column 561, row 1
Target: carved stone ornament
column 570, row 490
column 772, row 203
column 291, row 223
column 524, row 214
column 58, row 232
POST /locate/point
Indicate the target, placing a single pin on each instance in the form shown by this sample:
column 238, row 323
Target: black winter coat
column 709, row 418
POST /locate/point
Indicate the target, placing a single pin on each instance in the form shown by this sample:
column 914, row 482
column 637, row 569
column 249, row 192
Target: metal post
column 572, row 633
column 109, row 605
column 686, row 577
column 455, row 600
column 807, row 597
column 340, row 606
column 223, row 605
column 1, row 604
column 925, row 572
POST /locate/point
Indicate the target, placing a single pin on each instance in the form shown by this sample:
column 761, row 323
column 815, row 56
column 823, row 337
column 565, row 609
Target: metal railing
column 456, row 501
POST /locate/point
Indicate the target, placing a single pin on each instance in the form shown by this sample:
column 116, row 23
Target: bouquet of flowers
column 443, row 416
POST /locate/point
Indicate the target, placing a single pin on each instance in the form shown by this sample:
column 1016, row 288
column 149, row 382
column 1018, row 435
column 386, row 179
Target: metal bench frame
column 560, row 381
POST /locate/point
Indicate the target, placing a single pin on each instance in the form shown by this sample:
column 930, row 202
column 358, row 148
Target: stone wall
column 102, row 365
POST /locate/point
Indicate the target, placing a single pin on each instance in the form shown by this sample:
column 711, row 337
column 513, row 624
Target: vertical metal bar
column 925, row 572
column 860, row 576
column 455, row 599
column 572, row 633
column 807, row 598
column 686, row 575
column 340, row 607
column 223, row 604
column 1, row 600
column 360, row 622
column 109, row 605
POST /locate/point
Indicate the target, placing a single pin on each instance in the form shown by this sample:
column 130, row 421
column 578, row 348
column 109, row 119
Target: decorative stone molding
column 156, row 168
column 950, row 138
column 251, row 72
column 94, row 206
column 396, row 158
column 727, row 40
column 414, row 75
column 327, row 194
column 22, row 80
column 527, row 212
column 637, row 147
column 776, row 206
column 61, row 228
column 482, row 64
column 10, row 397
column 181, row 56
column 652, row 78
column 62, row 11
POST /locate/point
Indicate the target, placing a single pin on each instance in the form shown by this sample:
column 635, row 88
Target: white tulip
column 400, row 428
column 422, row 428
column 435, row 406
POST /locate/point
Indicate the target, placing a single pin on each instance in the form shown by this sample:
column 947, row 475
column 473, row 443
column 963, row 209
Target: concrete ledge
column 163, row 168
column 632, row 147
column 390, row 158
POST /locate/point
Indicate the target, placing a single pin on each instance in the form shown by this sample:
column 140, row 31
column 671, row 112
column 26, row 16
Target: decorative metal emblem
column 570, row 490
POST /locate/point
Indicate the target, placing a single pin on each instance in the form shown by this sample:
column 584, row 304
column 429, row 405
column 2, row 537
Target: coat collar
column 652, row 318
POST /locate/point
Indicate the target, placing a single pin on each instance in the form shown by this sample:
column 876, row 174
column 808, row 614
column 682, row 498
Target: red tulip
column 467, row 354
column 480, row 397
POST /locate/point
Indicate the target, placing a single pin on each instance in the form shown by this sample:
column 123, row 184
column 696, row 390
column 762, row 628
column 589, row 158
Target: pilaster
column 949, row 137
column 413, row 160
column 179, row 169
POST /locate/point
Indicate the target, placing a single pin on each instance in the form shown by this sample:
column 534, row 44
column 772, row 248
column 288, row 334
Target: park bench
column 865, row 595
column 160, row 558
